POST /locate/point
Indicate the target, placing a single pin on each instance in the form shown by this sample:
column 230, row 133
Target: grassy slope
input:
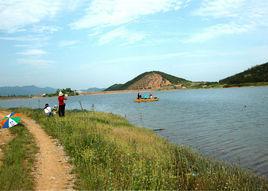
column 256, row 74
column 110, row 153
column 19, row 155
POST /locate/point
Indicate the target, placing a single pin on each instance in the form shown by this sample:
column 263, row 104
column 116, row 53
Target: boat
column 146, row 100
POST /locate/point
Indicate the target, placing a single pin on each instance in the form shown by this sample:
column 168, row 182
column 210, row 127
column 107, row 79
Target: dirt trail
column 52, row 171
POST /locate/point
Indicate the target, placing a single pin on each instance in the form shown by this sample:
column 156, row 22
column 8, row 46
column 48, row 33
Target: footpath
column 52, row 170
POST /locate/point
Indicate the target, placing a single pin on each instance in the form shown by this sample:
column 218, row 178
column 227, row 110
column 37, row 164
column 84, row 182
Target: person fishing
column 48, row 110
column 61, row 99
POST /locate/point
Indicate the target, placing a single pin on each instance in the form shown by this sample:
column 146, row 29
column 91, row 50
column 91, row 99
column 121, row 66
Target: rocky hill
column 151, row 80
column 255, row 74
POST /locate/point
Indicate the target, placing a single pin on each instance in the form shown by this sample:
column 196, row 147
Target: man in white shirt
column 48, row 110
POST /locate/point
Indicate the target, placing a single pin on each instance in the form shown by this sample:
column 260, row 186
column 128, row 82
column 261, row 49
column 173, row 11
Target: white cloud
column 45, row 29
column 22, row 45
column 33, row 52
column 121, row 33
column 16, row 14
column 23, row 38
column 66, row 43
column 217, row 31
column 220, row 8
column 35, row 62
column 237, row 10
column 237, row 17
column 72, row 5
column 101, row 13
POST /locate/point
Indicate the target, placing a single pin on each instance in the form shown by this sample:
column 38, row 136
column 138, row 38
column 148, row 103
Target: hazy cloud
column 123, row 34
column 35, row 62
column 33, row 52
column 66, row 43
column 220, row 8
column 101, row 13
column 233, row 16
column 217, row 31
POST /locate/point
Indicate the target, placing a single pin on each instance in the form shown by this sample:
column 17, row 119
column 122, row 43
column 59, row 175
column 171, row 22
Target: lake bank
column 110, row 153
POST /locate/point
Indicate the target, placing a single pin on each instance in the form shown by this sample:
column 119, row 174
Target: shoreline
column 133, row 91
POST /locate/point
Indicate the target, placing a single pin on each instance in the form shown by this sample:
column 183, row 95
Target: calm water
column 228, row 124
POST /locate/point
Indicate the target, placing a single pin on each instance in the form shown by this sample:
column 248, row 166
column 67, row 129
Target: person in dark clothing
column 139, row 96
column 61, row 99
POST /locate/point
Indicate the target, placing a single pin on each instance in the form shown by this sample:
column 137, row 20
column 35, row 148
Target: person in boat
column 146, row 96
column 139, row 96
column 151, row 96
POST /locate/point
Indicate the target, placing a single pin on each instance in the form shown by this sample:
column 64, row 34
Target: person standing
column 61, row 99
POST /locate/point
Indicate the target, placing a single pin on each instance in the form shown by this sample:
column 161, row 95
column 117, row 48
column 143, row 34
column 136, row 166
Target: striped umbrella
column 11, row 120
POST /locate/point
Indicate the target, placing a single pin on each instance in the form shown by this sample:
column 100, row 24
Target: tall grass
column 111, row 154
column 19, row 156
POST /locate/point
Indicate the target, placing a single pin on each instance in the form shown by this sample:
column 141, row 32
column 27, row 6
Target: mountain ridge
column 25, row 90
column 258, row 73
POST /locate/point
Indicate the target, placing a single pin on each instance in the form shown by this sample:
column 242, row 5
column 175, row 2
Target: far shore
column 136, row 91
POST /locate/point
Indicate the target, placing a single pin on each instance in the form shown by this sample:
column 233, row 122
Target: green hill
column 255, row 74
column 150, row 80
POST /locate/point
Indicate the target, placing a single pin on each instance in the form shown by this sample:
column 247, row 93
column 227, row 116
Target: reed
column 111, row 154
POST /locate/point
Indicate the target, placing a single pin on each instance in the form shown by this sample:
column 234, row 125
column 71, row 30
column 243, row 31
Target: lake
column 227, row 124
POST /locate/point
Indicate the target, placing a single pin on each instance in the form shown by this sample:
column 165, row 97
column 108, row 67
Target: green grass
column 246, row 84
column 19, row 156
column 110, row 154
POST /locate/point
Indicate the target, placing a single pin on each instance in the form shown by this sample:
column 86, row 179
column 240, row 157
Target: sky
column 96, row 43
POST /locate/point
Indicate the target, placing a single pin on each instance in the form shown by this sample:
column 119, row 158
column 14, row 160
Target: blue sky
column 96, row 43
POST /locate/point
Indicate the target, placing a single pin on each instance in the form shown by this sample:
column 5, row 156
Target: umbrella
column 11, row 120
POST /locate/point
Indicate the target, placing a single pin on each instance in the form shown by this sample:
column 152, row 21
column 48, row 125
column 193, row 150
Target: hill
column 255, row 74
column 151, row 80
column 24, row 90
column 93, row 90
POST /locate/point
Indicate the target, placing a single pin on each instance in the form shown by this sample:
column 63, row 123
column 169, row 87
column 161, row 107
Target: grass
column 110, row 154
column 19, row 156
column 246, row 84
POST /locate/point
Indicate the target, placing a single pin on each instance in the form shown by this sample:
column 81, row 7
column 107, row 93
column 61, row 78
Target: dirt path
column 52, row 169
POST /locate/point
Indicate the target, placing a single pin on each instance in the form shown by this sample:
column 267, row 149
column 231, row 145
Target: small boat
column 146, row 100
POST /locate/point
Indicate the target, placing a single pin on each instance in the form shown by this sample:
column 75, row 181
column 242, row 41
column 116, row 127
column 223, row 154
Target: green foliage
column 197, row 85
column 19, row 155
column 68, row 91
column 172, row 79
column 110, row 154
column 256, row 74
column 114, row 87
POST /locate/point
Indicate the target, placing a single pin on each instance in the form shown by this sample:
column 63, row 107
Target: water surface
column 228, row 124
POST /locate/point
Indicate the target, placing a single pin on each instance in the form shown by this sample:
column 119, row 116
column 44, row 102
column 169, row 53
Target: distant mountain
column 93, row 90
column 255, row 74
column 25, row 90
column 151, row 80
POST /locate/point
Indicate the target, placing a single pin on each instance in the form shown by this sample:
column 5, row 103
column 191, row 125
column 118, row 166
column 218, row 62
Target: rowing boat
column 146, row 100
